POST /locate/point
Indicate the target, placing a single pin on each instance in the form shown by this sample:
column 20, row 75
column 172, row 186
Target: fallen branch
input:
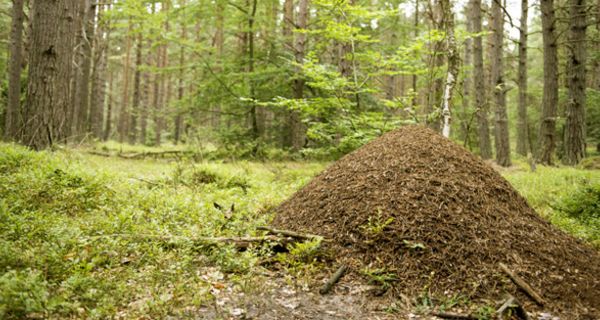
column 512, row 303
column 523, row 285
column 98, row 153
column 449, row 315
column 155, row 154
column 292, row 234
column 333, row 280
column 240, row 242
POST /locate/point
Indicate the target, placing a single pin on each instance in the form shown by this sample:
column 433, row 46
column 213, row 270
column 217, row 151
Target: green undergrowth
column 568, row 197
column 75, row 231
column 86, row 236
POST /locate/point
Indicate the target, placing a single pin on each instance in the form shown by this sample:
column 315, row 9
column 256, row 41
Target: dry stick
column 523, row 285
column 292, row 234
column 512, row 302
column 241, row 242
column 333, row 280
column 448, row 315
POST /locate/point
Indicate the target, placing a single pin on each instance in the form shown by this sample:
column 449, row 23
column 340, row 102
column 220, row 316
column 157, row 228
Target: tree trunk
column 467, row 74
column 162, row 93
column 414, row 76
column 77, row 70
column 436, row 93
column 83, row 83
column 148, row 98
column 255, row 111
column 181, row 84
column 137, row 91
column 124, row 111
column 51, row 55
column 12, row 120
column 483, row 129
column 547, row 135
column 596, row 68
column 109, row 107
column 499, row 87
column 98, row 96
column 522, row 124
column 574, row 139
column 288, row 43
column 297, row 130
column 453, row 61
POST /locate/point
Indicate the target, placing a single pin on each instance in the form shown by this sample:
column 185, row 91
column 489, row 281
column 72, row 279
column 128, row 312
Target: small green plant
column 583, row 204
column 380, row 277
column 304, row 252
column 22, row 293
column 485, row 312
column 376, row 224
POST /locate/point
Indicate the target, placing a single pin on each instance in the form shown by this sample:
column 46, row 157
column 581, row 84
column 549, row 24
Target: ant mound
column 435, row 219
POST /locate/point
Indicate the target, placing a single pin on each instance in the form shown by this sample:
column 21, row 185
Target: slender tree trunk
column 181, row 84
column 547, row 135
column 483, row 129
column 148, row 98
column 220, row 46
column 77, row 70
column 98, row 97
column 435, row 97
column 137, row 90
column 522, row 123
column 453, row 61
column 596, row 84
column 297, row 129
column 13, row 111
column 499, row 87
column 414, row 76
column 574, row 139
column 288, row 25
column 163, row 94
column 109, row 107
column 51, row 55
column 83, row 83
column 255, row 112
column 467, row 85
column 123, row 127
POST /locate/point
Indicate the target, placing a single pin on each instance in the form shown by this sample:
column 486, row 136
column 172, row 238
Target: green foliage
column 380, row 277
column 583, row 204
column 375, row 225
column 543, row 187
column 22, row 293
column 63, row 256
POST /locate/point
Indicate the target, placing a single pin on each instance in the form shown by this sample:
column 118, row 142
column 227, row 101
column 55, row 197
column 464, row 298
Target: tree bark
column 499, row 86
column 51, row 55
column 297, row 129
column 148, row 97
column 137, row 90
column 414, row 76
column 452, row 73
column 12, row 120
column 255, row 111
column 523, row 147
column 98, row 96
column 467, row 81
column 547, row 134
column 109, row 107
column 124, row 110
column 181, row 84
column 77, row 70
column 574, row 138
column 485, row 146
column 83, row 83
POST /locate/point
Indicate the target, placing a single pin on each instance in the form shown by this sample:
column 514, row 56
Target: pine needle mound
column 417, row 205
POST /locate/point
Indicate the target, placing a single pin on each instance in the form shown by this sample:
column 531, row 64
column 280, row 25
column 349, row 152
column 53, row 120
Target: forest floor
column 90, row 236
